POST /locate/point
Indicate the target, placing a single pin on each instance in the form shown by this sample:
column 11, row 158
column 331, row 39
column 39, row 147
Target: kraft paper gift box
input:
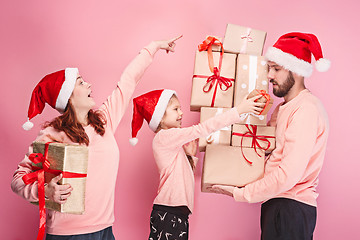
column 264, row 99
column 225, row 165
column 244, row 40
column 70, row 160
column 249, row 136
column 251, row 74
column 222, row 136
column 213, row 92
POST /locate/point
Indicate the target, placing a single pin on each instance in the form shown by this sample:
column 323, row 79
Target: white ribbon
column 247, row 117
column 247, row 39
column 252, row 72
column 215, row 136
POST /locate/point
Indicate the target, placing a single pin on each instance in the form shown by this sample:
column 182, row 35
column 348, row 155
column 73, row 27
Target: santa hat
column 293, row 52
column 150, row 106
column 54, row 89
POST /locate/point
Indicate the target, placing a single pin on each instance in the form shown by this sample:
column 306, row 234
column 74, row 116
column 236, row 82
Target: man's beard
column 283, row 89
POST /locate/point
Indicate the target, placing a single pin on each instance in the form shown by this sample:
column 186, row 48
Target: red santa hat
column 150, row 106
column 293, row 52
column 54, row 89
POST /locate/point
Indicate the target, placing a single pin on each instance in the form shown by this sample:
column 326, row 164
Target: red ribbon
column 266, row 96
column 215, row 79
column 206, row 46
column 223, row 82
column 39, row 175
column 255, row 140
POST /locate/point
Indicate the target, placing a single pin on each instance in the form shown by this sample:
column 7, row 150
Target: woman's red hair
column 68, row 123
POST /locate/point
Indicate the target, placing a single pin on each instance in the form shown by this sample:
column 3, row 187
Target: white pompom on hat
column 54, row 89
column 150, row 106
column 293, row 52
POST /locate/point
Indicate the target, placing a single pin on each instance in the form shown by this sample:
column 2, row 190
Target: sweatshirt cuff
column 236, row 113
column 151, row 49
column 238, row 195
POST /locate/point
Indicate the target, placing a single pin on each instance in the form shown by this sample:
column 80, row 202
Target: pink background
column 39, row 37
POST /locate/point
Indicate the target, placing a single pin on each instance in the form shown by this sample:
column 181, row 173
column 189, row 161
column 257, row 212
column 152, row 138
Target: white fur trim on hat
column 289, row 62
column 133, row 141
column 160, row 108
column 66, row 89
column 322, row 65
column 28, row 125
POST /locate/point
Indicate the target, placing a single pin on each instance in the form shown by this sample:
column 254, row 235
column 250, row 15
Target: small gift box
column 251, row 74
column 213, row 79
column 222, row 136
column 226, row 165
column 244, row 40
column 252, row 136
column 71, row 161
column 265, row 98
column 215, row 46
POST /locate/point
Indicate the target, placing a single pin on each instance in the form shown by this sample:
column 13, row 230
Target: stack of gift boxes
column 224, row 74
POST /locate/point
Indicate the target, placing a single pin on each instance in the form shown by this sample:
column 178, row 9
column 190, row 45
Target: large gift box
column 244, row 40
column 213, row 79
column 253, row 136
column 226, row 165
column 251, row 74
column 71, row 161
column 222, row 136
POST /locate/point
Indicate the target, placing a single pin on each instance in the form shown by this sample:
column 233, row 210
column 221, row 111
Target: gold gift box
column 225, row 165
column 199, row 98
column 244, row 40
column 222, row 136
column 66, row 158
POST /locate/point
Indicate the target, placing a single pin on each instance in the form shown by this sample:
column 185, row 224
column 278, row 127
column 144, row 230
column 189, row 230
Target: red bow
column 39, row 175
column 266, row 96
column 217, row 80
column 255, row 140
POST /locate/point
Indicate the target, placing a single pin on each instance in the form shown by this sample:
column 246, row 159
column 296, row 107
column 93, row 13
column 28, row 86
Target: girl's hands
column 168, row 45
column 190, row 148
column 250, row 106
column 56, row 192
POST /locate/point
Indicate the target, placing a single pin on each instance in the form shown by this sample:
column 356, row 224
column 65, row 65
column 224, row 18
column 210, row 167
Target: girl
column 176, row 162
column 79, row 124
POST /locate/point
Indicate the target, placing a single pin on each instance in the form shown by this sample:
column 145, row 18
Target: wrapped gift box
column 251, row 74
column 244, row 40
column 70, row 159
column 226, row 165
column 222, row 136
column 264, row 99
column 218, row 95
column 253, row 136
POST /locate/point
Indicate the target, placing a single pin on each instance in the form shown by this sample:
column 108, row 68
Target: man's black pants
column 287, row 219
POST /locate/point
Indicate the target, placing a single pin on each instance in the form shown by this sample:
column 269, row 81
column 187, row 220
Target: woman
column 67, row 92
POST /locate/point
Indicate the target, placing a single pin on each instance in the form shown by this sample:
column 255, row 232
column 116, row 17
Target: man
column 288, row 189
